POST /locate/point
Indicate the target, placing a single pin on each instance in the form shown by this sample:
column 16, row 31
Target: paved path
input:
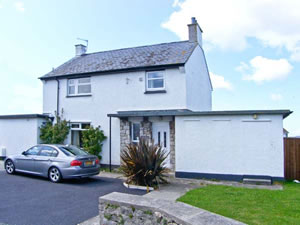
column 28, row 200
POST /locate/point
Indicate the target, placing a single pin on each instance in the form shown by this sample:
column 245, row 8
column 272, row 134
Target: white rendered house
column 163, row 92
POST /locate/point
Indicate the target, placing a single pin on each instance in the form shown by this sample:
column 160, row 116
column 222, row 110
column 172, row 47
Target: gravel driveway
column 28, row 200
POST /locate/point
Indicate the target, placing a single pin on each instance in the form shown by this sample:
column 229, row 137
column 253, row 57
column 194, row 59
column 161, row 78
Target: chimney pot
column 194, row 21
column 80, row 49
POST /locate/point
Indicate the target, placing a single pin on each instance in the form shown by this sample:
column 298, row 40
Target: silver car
column 56, row 162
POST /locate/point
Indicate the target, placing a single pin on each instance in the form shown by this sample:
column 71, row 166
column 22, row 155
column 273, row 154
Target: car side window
column 33, row 151
column 48, row 151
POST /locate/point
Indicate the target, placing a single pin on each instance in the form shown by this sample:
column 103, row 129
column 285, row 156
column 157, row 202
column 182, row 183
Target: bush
column 54, row 133
column 144, row 163
column 92, row 140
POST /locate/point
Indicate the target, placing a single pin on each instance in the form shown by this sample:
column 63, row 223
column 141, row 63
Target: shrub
column 92, row 140
column 144, row 163
column 54, row 133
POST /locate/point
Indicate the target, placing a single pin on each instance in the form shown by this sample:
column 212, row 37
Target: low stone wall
column 118, row 208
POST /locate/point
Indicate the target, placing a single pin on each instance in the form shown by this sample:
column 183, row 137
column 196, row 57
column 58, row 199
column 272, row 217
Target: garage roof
column 185, row 112
column 24, row 116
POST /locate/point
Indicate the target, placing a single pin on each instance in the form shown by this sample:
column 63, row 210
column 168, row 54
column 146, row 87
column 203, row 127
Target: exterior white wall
column 237, row 145
column 112, row 93
column 198, row 86
column 17, row 135
column 49, row 96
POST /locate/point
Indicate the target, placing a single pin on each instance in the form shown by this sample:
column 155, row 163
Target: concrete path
column 178, row 187
column 172, row 191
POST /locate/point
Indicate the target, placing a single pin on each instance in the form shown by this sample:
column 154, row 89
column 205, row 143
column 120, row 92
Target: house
column 285, row 133
column 164, row 92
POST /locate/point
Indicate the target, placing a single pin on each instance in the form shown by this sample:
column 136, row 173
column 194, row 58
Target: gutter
column 107, row 72
column 57, row 98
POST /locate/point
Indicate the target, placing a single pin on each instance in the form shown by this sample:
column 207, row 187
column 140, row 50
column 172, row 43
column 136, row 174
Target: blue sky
column 252, row 47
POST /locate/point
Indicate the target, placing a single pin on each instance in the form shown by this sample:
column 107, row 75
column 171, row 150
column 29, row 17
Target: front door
column 161, row 135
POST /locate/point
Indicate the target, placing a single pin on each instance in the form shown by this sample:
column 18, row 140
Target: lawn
column 251, row 206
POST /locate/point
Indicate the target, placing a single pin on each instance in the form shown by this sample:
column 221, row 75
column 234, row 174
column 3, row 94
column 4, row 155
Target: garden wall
column 119, row 208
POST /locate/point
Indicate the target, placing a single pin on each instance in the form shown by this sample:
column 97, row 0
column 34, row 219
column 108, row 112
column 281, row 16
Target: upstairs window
column 155, row 80
column 80, row 86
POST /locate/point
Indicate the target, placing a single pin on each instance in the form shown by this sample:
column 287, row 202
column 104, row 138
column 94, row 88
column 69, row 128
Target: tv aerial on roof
column 85, row 40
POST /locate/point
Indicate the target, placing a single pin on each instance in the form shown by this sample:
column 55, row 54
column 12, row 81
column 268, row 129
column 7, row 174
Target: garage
column 230, row 145
column 19, row 132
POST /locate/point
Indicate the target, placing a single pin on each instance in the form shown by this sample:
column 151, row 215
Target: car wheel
column 9, row 167
column 55, row 175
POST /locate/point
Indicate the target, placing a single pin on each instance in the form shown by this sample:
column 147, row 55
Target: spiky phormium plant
column 144, row 163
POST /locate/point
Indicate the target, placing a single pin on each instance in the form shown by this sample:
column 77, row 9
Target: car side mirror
column 24, row 153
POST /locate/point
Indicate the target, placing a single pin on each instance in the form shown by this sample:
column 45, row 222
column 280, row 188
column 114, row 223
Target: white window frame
column 134, row 140
column 76, row 85
column 80, row 125
column 163, row 77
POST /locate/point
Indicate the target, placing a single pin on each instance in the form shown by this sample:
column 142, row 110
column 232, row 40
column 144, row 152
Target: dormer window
column 155, row 81
column 80, row 86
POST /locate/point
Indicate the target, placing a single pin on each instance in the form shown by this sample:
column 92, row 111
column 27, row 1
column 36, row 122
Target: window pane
column 84, row 89
column 135, row 131
column 72, row 151
column 33, row 151
column 72, row 82
column 159, row 83
column 155, row 75
column 84, row 80
column 46, row 152
column 85, row 126
column 75, row 125
column 71, row 90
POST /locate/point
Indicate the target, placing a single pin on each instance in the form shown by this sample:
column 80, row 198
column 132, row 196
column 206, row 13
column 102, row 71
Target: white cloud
column 19, row 6
column 276, row 97
column 219, row 82
column 25, row 99
column 264, row 69
column 228, row 24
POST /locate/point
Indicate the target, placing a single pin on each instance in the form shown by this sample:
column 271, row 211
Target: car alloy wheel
column 9, row 167
column 54, row 175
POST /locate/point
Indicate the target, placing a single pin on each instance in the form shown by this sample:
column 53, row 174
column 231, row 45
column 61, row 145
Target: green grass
column 251, row 206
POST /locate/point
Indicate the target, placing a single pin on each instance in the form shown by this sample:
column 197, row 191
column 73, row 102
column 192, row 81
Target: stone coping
column 180, row 212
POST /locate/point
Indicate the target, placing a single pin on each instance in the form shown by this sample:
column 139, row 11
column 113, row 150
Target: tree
column 54, row 133
column 92, row 140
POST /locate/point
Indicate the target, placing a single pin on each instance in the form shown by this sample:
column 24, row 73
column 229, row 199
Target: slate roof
column 186, row 112
column 166, row 54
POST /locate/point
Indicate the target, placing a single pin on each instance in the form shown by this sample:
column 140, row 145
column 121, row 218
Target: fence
column 292, row 158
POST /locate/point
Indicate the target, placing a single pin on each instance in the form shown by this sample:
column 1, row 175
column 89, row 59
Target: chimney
column 195, row 32
column 80, row 49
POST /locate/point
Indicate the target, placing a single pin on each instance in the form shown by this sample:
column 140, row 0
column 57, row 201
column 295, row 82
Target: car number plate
column 88, row 163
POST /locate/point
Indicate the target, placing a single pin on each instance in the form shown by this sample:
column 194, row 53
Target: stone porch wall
column 172, row 145
column 124, row 133
column 146, row 132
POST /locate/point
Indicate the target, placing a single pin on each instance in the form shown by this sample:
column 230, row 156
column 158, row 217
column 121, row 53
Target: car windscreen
column 72, row 151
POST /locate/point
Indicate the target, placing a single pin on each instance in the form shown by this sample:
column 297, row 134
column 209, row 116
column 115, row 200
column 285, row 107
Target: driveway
column 28, row 200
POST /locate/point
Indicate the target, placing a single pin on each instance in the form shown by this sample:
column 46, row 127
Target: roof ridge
column 174, row 42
